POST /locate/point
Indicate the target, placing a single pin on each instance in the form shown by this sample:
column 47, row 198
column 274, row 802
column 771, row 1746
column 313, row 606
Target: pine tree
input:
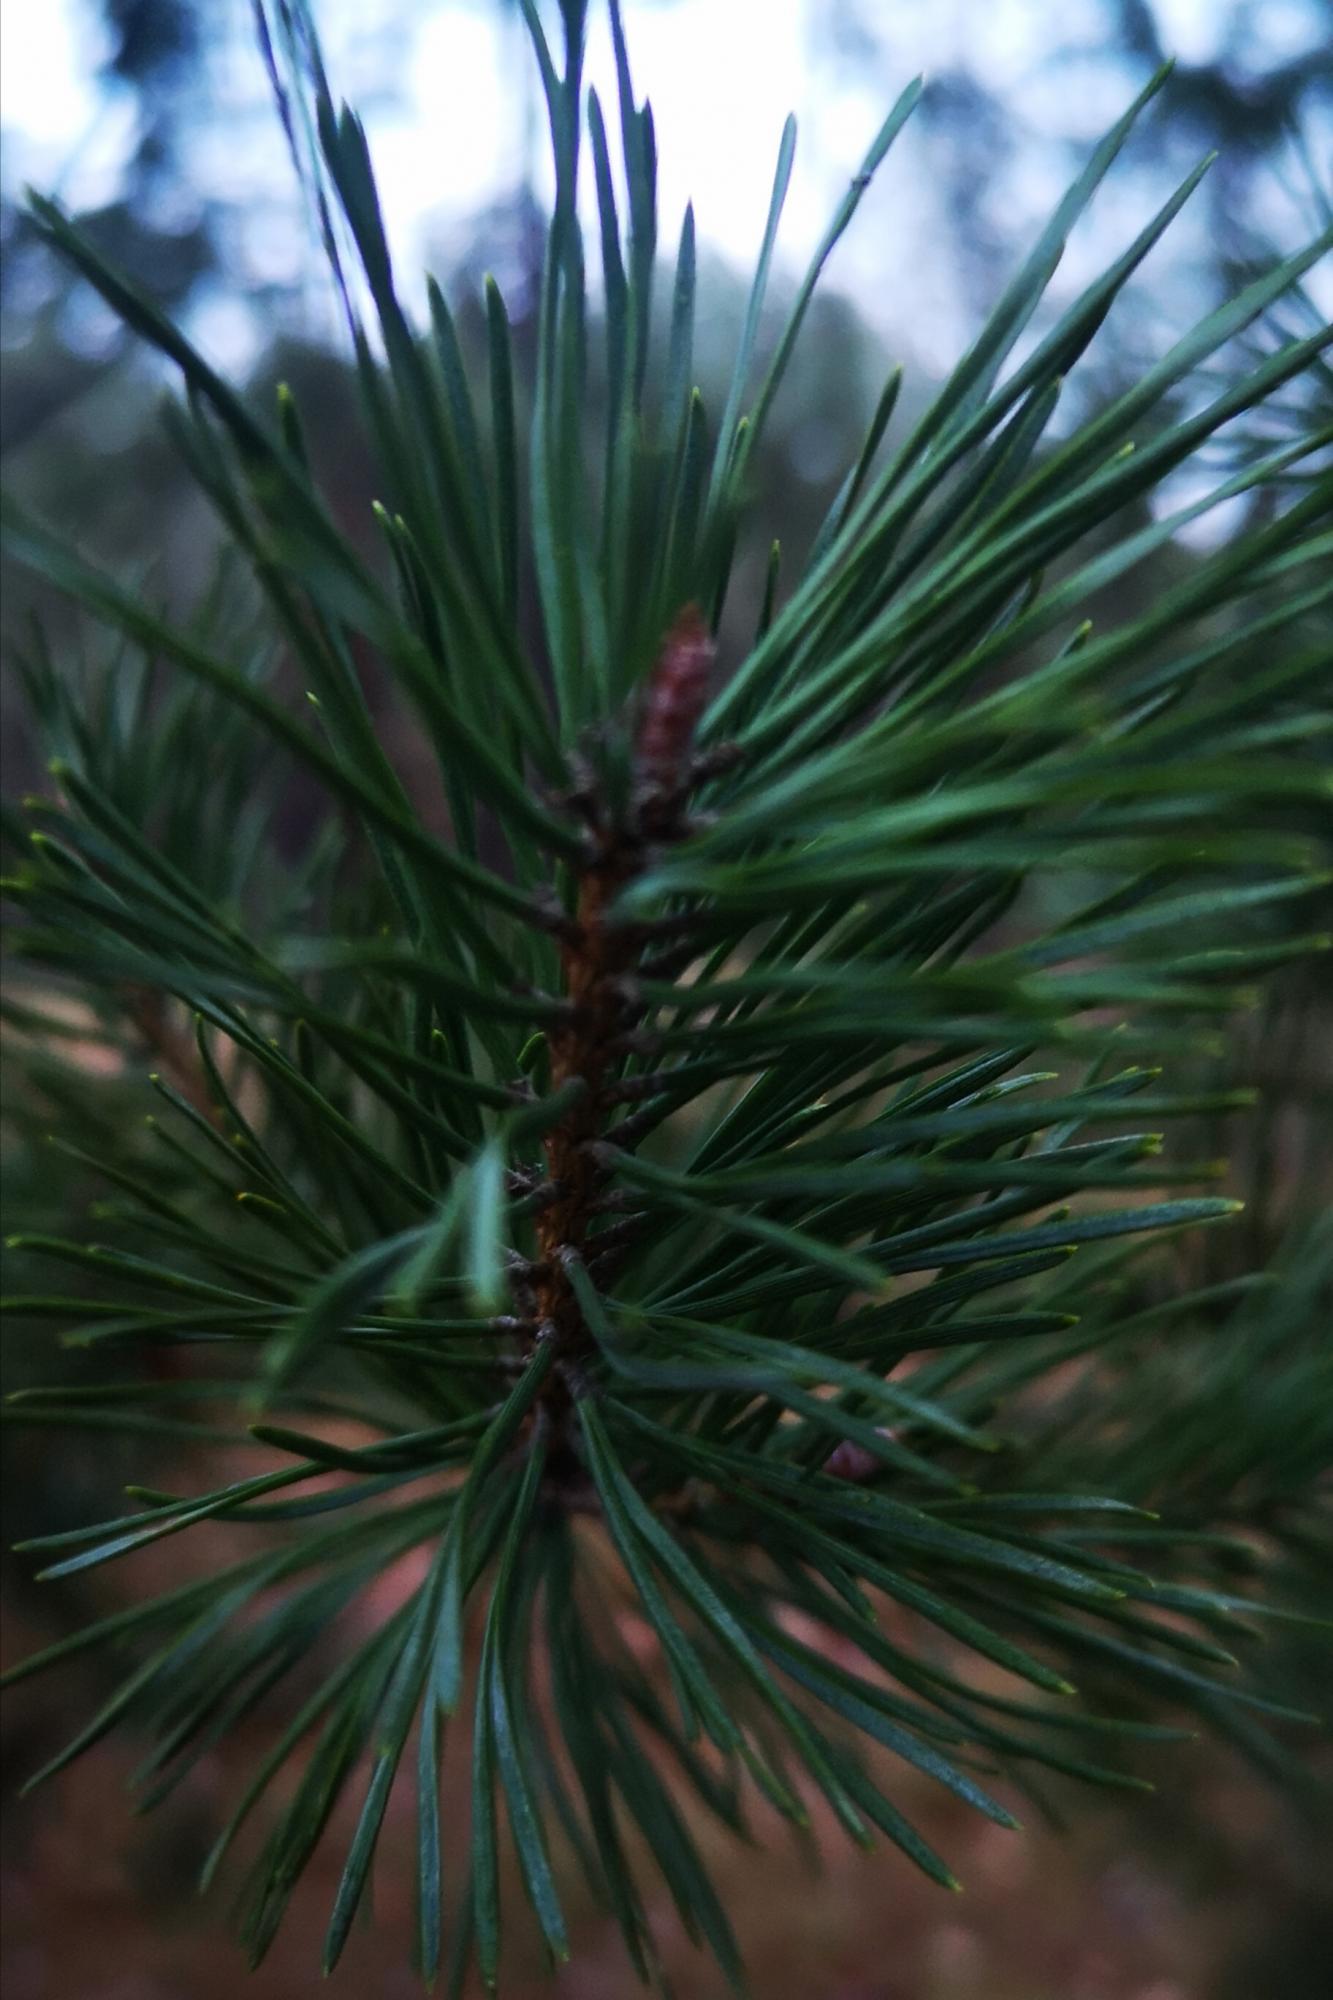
column 632, row 1135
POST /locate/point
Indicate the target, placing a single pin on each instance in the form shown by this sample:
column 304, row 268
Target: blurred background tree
column 178, row 107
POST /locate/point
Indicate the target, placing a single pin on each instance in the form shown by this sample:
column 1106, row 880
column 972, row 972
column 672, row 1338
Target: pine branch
column 646, row 1176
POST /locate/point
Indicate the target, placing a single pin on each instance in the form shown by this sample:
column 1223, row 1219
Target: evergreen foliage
column 702, row 1154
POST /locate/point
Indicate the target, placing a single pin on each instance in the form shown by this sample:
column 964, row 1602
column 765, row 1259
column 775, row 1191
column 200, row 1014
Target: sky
column 720, row 92
column 722, row 75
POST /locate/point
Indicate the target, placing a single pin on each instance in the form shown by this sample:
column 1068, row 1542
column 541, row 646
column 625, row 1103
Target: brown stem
column 596, row 954
column 599, row 957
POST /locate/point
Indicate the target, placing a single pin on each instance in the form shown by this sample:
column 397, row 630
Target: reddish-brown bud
column 677, row 691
